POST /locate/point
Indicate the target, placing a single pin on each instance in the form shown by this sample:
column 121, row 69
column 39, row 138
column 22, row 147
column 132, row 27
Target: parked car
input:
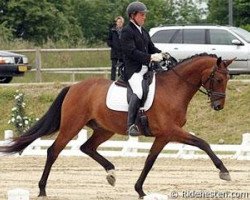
column 225, row 41
column 12, row 64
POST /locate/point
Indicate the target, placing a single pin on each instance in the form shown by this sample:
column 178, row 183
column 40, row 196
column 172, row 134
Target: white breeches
column 135, row 81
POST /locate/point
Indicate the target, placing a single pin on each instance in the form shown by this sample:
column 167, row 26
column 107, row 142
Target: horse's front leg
column 156, row 148
column 187, row 138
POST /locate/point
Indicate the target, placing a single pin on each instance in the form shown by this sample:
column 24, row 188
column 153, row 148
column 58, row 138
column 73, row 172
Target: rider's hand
column 166, row 55
column 157, row 57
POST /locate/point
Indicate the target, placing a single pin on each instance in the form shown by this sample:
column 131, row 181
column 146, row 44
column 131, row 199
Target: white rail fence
column 133, row 148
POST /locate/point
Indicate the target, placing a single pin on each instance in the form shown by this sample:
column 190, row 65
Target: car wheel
column 5, row 79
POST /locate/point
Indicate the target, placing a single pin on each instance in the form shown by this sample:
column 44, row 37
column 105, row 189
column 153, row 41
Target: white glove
column 157, row 57
column 166, row 55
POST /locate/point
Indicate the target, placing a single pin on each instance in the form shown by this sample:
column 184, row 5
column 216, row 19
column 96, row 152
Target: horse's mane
column 195, row 56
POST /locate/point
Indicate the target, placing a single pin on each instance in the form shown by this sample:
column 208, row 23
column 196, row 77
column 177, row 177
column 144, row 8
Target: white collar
column 138, row 27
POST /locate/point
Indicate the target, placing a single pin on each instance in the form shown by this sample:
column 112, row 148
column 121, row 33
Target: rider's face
column 140, row 18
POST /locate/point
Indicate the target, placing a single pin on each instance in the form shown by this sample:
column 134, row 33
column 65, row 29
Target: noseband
column 212, row 95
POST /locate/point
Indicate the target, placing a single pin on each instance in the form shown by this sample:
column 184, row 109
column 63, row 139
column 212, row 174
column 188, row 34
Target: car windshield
column 242, row 33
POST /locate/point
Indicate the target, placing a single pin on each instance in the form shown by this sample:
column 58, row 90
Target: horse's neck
column 191, row 71
column 186, row 79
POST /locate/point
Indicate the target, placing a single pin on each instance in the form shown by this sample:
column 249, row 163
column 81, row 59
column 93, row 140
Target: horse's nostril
column 217, row 107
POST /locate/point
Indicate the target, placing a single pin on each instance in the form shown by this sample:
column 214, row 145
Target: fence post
column 73, row 77
column 244, row 151
column 130, row 147
column 18, row 194
column 81, row 138
column 107, row 74
column 185, row 152
column 38, row 65
column 8, row 135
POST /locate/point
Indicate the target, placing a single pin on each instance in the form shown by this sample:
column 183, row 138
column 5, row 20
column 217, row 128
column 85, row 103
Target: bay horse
column 84, row 104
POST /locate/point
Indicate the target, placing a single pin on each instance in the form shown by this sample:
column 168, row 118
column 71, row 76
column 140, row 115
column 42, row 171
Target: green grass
column 228, row 124
column 83, row 59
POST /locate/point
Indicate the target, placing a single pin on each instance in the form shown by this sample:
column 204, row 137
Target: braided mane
column 195, row 56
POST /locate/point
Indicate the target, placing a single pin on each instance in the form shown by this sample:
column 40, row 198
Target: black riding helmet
column 135, row 7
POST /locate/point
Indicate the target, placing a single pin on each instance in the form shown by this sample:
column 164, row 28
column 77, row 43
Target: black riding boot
column 134, row 105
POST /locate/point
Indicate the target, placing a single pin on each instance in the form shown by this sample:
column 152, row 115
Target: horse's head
column 215, row 81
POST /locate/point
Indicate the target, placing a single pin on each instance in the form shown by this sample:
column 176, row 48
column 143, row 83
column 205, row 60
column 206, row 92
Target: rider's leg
column 135, row 83
column 134, row 105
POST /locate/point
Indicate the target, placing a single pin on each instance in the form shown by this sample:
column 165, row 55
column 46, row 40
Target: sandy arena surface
column 81, row 178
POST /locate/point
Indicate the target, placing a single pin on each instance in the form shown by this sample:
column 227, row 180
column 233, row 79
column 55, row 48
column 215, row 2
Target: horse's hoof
column 142, row 196
column 225, row 176
column 42, row 195
column 111, row 177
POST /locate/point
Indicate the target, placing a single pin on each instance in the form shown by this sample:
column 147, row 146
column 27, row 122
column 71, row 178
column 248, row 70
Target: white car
column 225, row 41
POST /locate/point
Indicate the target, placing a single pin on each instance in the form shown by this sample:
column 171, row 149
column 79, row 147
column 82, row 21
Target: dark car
column 12, row 64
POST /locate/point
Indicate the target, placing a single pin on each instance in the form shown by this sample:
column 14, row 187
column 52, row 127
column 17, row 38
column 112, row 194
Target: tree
column 218, row 12
column 157, row 13
column 5, row 33
column 38, row 21
column 96, row 16
column 187, row 12
column 242, row 12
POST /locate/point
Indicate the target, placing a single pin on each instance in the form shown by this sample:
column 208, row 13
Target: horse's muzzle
column 217, row 100
column 216, row 105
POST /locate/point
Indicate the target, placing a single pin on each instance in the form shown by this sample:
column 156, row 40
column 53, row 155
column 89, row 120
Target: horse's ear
column 228, row 62
column 218, row 61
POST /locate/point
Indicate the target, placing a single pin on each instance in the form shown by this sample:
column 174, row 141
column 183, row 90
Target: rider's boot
column 134, row 105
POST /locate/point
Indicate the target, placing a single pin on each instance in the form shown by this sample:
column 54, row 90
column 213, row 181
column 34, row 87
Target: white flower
column 14, row 109
column 13, row 120
column 26, row 122
column 18, row 117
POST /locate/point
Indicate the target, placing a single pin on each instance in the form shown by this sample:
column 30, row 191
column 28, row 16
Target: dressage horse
column 83, row 104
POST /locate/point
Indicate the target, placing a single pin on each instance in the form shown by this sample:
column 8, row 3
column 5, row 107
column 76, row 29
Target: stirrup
column 133, row 130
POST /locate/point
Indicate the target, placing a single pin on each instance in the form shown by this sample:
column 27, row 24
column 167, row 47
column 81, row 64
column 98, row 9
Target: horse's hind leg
column 90, row 148
column 65, row 135
column 190, row 139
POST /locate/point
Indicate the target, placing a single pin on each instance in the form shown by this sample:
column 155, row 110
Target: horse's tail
column 47, row 125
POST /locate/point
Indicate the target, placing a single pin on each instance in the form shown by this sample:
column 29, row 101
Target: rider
column 138, row 50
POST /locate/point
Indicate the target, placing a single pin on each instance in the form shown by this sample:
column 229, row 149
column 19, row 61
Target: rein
column 208, row 92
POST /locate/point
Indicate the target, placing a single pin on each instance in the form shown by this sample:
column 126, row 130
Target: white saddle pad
column 117, row 97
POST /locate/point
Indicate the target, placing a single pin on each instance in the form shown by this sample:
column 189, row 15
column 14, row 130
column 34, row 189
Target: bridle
column 212, row 95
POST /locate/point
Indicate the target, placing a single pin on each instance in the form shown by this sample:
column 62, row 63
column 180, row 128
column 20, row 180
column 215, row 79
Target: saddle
column 119, row 94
